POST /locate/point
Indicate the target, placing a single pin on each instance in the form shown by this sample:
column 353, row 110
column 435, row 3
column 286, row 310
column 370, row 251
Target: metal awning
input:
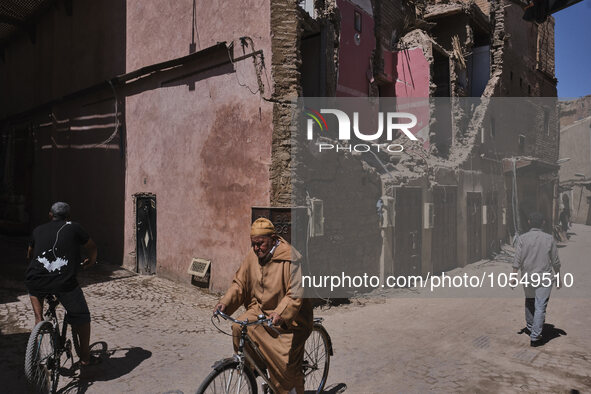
column 569, row 184
column 528, row 163
column 154, row 76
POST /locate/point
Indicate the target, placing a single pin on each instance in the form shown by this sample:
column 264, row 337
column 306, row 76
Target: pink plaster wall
column 354, row 60
column 412, row 75
column 204, row 153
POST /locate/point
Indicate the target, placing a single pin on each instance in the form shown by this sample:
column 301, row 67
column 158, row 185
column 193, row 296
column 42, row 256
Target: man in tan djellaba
column 269, row 282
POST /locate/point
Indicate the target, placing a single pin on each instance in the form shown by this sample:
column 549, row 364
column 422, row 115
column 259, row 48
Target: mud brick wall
column 286, row 62
column 528, row 60
column 545, row 49
column 548, row 140
column 484, row 5
column 574, row 110
column 391, row 17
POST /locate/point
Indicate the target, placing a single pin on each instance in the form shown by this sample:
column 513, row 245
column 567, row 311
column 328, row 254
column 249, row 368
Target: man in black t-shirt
column 54, row 251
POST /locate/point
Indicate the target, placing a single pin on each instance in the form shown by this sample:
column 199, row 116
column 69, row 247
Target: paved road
column 156, row 335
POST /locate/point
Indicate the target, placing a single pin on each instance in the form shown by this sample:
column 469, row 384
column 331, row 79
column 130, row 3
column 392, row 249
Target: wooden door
column 444, row 244
column 474, row 227
column 146, row 234
column 408, row 231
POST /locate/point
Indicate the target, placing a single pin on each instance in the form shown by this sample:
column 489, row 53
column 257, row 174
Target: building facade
column 575, row 150
column 165, row 124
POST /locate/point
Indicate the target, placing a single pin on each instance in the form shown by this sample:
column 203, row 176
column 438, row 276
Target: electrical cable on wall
column 194, row 31
column 258, row 66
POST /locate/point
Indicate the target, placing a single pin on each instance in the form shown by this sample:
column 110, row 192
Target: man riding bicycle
column 54, row 254
column 268, row 282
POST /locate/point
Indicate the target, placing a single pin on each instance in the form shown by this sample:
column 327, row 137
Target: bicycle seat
column 318, row 319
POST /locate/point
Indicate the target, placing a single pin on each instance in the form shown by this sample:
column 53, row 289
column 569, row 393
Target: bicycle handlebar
column 262, row 319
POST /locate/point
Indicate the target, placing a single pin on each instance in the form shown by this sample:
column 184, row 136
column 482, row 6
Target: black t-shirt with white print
column 56, row 256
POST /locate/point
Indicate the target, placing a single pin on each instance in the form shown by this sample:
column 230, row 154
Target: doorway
column 146, row 234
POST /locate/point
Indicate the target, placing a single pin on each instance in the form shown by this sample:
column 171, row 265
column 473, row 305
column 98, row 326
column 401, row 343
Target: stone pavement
column 156, row 336
column 151, row 332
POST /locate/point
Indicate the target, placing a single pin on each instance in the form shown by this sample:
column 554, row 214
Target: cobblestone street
column 156, row 336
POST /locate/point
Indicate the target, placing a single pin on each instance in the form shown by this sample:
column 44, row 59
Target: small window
column 521, row 143
column 493, row 131
column 357, row 21
column 529, row 89
column 511, row 76
column 520, row 82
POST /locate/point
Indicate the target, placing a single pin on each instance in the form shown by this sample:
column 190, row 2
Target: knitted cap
column 262, row 226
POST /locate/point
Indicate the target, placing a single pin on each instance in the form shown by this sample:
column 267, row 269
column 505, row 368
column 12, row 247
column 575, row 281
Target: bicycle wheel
column 316, row 359
column 41, row 363
column 227, row 377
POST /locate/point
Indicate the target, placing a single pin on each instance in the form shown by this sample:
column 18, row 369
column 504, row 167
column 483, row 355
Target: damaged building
column 470, row 184
column 167, row 126
column 575, row 152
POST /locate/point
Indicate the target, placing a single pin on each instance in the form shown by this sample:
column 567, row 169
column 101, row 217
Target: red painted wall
column 354, row 59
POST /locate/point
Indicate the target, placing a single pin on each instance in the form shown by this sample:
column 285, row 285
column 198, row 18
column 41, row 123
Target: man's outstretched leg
column 37, row 308
column 79, row 317
column 82, row 331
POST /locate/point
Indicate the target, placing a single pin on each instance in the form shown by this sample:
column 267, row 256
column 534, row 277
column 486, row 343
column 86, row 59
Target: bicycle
column 234, row 374
column 47, row 343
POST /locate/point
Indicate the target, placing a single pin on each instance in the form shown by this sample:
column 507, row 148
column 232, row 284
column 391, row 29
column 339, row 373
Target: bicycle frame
column 51, row 316
column 241, row 355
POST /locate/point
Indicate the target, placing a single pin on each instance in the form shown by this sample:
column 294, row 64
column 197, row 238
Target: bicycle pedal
column 265, row 388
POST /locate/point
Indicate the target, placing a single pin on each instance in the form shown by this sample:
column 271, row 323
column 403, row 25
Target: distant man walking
column 536, row 256
column 54, row 251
